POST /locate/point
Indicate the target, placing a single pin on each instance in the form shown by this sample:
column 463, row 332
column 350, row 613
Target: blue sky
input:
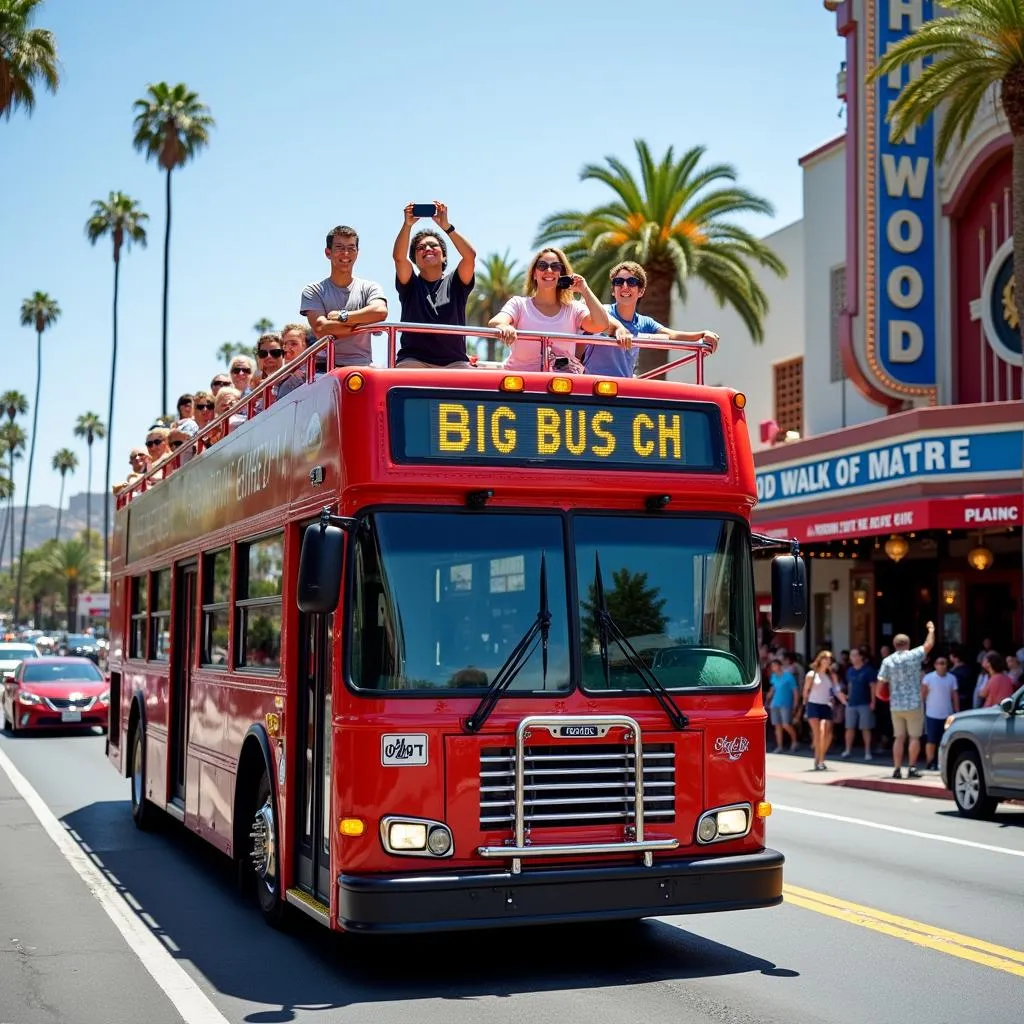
column 333, row 112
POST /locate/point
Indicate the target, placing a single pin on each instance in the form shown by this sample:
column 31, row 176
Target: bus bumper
column 556, row 895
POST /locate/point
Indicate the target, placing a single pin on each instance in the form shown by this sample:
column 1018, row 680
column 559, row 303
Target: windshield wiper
column 608, row 628
column 518, row 657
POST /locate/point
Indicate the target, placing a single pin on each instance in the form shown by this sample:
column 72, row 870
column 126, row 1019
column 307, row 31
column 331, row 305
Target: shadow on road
column 1012, row 817
column 188, row 890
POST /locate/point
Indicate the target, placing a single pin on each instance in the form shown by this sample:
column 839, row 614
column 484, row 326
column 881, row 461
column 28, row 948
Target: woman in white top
column 819, row 689
column 549, row 308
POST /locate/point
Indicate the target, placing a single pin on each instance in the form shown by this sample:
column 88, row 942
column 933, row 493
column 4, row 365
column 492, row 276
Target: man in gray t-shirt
column 341, row 302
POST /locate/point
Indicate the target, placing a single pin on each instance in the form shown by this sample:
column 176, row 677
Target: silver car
column 981, row 756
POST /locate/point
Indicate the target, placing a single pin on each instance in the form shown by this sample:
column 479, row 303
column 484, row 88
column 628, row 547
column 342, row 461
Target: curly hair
column 419, row 236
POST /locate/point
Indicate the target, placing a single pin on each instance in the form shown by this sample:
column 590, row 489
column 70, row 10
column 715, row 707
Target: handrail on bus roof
column 262, row 396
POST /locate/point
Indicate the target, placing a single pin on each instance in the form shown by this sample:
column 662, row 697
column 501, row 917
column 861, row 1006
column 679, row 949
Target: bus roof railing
column 317, row 357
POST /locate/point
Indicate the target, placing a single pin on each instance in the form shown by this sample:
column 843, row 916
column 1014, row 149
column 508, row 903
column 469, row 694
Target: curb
column 894, row 786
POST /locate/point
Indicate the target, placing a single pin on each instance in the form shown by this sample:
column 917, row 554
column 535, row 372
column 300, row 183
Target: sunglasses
column 154, row 442
column 271, row 353
column 555, row 265
column 426, row 246
column 175, row 445
column 621, row 282
column 240, row 369
column 206, row 406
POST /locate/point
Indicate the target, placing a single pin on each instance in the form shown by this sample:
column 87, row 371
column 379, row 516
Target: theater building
column 886, row 402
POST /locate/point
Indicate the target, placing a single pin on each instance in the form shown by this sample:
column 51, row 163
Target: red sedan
column 55, row 692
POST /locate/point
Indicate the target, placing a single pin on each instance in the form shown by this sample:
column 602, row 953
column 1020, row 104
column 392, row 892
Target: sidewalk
column 855, row 773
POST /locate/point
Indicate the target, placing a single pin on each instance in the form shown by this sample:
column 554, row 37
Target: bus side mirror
column 320, row 569
column 789, row 594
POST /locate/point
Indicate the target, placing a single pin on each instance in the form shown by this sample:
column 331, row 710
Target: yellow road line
column 988, row 954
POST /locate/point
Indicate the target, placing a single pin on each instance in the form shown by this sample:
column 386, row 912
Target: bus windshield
column 681, row 592
column 441, row 598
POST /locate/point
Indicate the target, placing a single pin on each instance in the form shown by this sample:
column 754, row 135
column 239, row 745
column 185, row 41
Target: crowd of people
column 342, row 305
column 901, row 698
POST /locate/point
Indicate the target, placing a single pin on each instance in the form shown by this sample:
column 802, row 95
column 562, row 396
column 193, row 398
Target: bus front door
column 313, row 806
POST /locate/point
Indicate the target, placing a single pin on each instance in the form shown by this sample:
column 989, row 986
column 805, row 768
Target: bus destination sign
column 531, row 430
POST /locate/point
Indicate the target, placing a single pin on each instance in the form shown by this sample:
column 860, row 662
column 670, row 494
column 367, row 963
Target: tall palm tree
column 12, row 442
column 171, row 127
column 14, row 403
column 498, row 278
column 90, row 426
column 28, row 57
column 230, row 349
column 63, row 462
column 73, row 563
column 41, row 581
column 120, row 217
column 38, row 311
column 977, row 49
column 263, row 325
column 675, row 223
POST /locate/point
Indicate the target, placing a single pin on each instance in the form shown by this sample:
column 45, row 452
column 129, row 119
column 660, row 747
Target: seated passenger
column 227, row 399
column 181, row 436
column 220, row 380
column 242, row 371
column 202, row 405
column 293, row 341
column 270, row 354
column 157, row 449
column 629, row 281
column 185, row 408
column 430, row 294
column 139, row 460
column 549, row 307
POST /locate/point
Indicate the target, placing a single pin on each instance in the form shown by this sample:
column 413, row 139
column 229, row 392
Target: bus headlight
column 416, row 837
column 724, row 823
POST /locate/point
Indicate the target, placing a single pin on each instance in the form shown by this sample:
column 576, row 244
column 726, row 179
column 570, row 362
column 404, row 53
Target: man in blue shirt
column 629, row 281
column 860, row 701
column 781, row 699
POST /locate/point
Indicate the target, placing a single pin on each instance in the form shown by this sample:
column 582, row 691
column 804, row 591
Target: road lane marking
column 966, row 947
column 901, row 831
column 185, row 995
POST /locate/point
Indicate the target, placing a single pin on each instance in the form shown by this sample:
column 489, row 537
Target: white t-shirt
column 525, row 316
column 939, row 701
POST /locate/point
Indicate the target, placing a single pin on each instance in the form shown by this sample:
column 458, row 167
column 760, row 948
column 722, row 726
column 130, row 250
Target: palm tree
column 263, row 325
column 90, row 426
column 38, row 311
column 73, row 563
column 12, row 441
column 171, row 127
column 230, row 349
column 63, row 462
column 121, row 218
column 976, row 50
column 14, row 403
column 674, row 222
column 28, row 56
column 41, row 581
column 497, row 280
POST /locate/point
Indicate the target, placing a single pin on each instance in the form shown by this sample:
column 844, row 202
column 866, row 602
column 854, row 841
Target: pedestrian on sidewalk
column 781, row 704
column 965, row 678
column 997, row 685
column 860, row 700
column 819, row 691
column 901, row 671
column 940, row 701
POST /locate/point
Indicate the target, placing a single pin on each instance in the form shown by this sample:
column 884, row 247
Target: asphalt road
column 862, row 936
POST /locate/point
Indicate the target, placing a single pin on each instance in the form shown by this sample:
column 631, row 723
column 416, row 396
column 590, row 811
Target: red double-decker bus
column 430, row 650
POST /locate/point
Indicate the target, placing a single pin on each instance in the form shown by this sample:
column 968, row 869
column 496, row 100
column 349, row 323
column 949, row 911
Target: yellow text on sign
column 543, row 430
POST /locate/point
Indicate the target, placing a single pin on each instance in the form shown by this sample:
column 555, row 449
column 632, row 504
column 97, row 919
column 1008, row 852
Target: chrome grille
column 576, row 784
column 70, row 703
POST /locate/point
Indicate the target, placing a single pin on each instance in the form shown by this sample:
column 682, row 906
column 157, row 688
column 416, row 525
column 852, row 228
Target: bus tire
column 143, row 812
column 264, row 862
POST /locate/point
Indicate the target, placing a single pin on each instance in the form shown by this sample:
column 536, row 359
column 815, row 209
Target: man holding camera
column 428, row 291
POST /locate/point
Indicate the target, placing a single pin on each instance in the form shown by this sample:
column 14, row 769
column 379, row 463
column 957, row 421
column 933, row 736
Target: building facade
column 889, row 425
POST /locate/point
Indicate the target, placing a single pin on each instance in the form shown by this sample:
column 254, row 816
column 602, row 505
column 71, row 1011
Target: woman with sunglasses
column 629, row 282
column 202, row 406
column 549, row 307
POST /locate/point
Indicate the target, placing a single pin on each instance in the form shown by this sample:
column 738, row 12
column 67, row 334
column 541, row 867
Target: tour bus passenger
column 138, row 459
column 549, row 307
column 220, row 380
column 430, row 294
column 181, row 436
column 185, row 407
column 629, row 282
column 270, row 353
column 242, row 371
column 202, row 404
column 293, row 341
column 342, row 301
column 228, row 399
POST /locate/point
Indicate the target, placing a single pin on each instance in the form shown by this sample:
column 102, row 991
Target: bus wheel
column 263, row 855
column 143, row 812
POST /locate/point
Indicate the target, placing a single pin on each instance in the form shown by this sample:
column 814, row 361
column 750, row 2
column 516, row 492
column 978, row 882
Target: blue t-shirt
column 784, row 693
column 858, row 685
column 613, row 361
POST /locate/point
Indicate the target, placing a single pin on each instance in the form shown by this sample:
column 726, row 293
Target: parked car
column 48, row 692
column 981, row 756
column 80, row 645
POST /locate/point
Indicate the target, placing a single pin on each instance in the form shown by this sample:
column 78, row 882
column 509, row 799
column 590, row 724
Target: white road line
column 186, row 996
column 901, row 831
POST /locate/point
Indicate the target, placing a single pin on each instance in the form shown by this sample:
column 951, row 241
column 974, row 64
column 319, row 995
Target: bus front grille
column 573, row 785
